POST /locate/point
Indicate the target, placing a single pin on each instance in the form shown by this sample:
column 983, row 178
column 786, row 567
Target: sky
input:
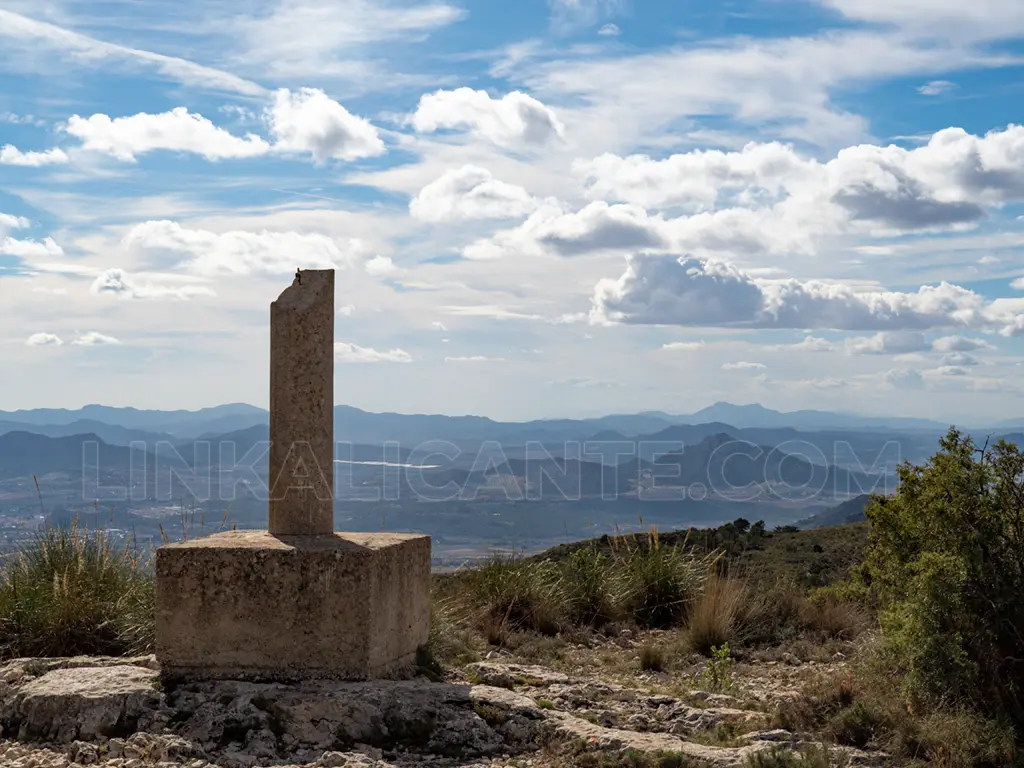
column 535, row 209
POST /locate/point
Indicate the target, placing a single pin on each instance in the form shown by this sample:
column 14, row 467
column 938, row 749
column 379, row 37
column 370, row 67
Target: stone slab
column 249, row 605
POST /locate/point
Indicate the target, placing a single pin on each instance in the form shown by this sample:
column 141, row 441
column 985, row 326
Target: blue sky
column 542, row 208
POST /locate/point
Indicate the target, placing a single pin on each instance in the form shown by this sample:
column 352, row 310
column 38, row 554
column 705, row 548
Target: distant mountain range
column 121, row 425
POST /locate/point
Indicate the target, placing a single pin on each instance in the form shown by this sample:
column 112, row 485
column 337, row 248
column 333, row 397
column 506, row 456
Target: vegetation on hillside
column 925, row 596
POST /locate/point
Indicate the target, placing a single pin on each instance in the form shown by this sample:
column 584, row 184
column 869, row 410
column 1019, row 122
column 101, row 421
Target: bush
column 588, row 590
column 72, row 593
column 652, row 658
column 946, row 562
column 714, row 616
column 659, row 583
column 515, row 594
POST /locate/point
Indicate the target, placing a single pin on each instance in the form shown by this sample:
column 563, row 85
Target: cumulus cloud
column 380, row 265
column 945, row 183
column 117, row 282
column 30, row 249
column 177, row 130
column 474, row 359
column 742, row 365
column 813, row 344
column 346, row 310
column 305, row 121
column 609, row 30
column 43, row 340
column 959, row 344
column 9, row 222
column 888, row 343
column 95, row 339
column 308, row 120
column 903, row 378
column 11, row 155
column 239, row 252
column 553, row 229
column 692, row 179
column 664, row 289
column 960, row 359
column 515, row 118
column 350, row 353
column 470, row 192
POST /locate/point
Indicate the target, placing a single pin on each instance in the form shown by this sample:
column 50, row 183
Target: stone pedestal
column 248, row 605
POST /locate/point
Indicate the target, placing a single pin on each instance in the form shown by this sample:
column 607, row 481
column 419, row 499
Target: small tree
column 946, row 562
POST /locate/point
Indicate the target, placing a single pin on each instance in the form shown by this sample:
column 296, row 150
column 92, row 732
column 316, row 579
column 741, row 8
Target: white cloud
column 960, row 359
column 346, row 310
column 437, row 325
column 30, row 249
column 903, row 378
column 177, row 130
column 988, row 260
column 11, row 155
column 515, row 118
column 742, row 365
column 491, row 311
column 572, row 13
column 474, row 359
column 936, row 87
column 9, row 222
column 684, row 346
column 663, row 289
column 306, row 121
column 692, row 179
column 959, row 344
column 350, row 353
column 950, row 370
column 43, row 340
column 310, row 121
column 470, row 192
column 238, row 252
column 609, row 30
column 813, row 344
column 380, row 266
column 888, row 343
column 303, row 39
column 94, row 339
column 40, row 35
column 943, row 184
column 118, row 283
column 554, row 229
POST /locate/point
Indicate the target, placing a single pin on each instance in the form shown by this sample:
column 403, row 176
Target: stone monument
column 298, row 600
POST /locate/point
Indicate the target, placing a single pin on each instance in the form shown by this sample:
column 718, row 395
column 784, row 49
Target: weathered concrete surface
column 301, row 479
column 249, row 605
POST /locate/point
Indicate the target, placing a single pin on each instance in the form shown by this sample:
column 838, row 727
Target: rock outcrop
column 116, row 713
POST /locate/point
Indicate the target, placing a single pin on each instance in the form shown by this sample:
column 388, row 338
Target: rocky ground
column 117, row 713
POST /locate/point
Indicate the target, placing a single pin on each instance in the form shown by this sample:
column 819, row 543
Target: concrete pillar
column 301, row 479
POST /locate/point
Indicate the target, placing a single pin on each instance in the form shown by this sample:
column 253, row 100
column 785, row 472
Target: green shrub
column 70, row 592
column 588, row 588
column 511, row 593
column 718, row 670
column 946, row 561
column 659, row 583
